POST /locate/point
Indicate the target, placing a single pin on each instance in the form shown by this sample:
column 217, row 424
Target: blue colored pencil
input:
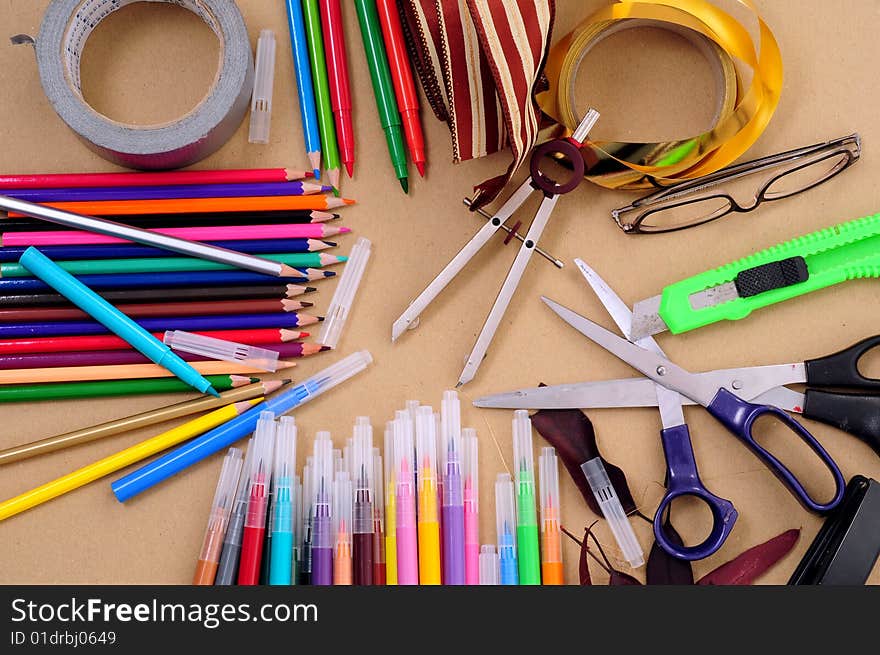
column 13, row 286
column 158, row 324
column 304, row 84
column 76, row 194
column 128, row 251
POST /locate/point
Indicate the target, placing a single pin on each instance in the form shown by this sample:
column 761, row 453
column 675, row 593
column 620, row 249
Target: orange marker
column 551, row 542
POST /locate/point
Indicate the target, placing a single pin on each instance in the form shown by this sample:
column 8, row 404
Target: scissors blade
column 649, row 364
column 410, row 316
column 625, row 392
column 668, row 401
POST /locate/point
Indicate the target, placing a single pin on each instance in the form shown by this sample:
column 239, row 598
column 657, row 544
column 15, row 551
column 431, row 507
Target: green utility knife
column 808, row 263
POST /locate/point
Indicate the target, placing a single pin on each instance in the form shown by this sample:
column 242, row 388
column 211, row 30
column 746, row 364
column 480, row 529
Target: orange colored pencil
column 198, row 205
column 121, row 372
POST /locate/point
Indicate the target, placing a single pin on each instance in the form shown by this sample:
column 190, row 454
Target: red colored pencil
column 253, row 337
column 126, row 357
column 337, row 73
column 140, row 310
column 404, row 85
column 152, row 178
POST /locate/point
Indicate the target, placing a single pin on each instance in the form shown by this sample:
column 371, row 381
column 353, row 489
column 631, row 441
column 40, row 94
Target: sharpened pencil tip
column 348, row 201
column 329, row 273
column 404, row 184
column 316, row 174
column 324, row 349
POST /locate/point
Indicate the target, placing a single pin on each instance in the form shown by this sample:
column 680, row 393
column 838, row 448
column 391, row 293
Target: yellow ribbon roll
column 743, row 113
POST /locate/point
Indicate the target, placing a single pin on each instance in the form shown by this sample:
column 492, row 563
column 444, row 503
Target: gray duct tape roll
column 66, row 27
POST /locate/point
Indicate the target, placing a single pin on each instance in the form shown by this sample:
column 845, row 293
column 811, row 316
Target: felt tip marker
column 218, row 519
column 282, row 513
column 260, row 476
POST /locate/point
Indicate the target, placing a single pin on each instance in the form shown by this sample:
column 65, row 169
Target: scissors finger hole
column 868, row 365
column 692, row 519
column 772, row 434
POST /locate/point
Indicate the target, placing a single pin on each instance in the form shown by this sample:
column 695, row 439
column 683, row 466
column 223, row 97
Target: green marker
column 168, row 264
column 528, row 552
column 326, row 125
column 383, row 89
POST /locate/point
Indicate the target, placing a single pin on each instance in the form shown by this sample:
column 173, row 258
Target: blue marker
column 281, row 529
column 505, row 516
column 115, row 321
column 238, row 428
column 305, row 87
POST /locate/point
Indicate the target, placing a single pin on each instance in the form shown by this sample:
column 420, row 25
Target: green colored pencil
column 168, row 264
column 62, row 390
column 326, row 123
column 383, row 88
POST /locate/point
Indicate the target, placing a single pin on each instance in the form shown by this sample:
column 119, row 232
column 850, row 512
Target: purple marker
column 322, row 528
column 452, row 509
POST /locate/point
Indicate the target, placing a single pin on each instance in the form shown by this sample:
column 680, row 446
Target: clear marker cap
column 333, row 375
column 285, row 453
column 612, row 510
column 264, row 80
column 470, row 466
column 343, row 297
column 489, row 565
column 342, row 495
column 505, row 512
column 228, row 351
column 378, row 487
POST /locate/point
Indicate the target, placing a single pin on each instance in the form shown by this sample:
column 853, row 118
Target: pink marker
column 469, row 472
column 407, row 538
column 221, row 233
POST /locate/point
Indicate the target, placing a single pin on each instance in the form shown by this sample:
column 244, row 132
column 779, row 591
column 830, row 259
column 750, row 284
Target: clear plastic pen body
column 407, row 537
column 342, row 521
column 470, row 499
column 227, row 571
column 505, row 526
column 612, row 510
column 551, row 535
column 390, row 507
column 428, row 518
column 452, row 509
column 362, row 474
column 254, row 533
column 379, row 566
column 218, row 520
column 322, row 528
column 307, row 514
column 282, row 513
column 528, row 551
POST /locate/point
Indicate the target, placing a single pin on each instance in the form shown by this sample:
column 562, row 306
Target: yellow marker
column 390, row 518
column 428, row 523
column 123, row 458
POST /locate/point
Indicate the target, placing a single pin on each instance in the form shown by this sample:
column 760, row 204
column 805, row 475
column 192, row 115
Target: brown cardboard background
column 831, row 60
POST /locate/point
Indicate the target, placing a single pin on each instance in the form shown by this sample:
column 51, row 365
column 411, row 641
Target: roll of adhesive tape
column 64, row 31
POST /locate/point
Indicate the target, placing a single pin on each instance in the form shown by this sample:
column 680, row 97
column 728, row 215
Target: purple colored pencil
column 118, row 357
column 188, row 323
column 169, row 192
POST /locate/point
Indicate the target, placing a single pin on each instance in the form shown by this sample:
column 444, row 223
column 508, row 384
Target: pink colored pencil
column 229, row 176
column 219, row 233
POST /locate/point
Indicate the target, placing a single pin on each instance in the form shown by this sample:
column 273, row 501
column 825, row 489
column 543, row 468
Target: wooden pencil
column 206, row 308
column 121, row 372
column 152, row 178
column 293, row 216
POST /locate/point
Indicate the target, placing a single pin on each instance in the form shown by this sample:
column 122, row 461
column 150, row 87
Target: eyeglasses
column 698, row 201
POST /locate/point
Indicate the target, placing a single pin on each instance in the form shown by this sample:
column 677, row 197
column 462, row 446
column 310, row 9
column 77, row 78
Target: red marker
column 404, row 85
column 259, row 477
column 337, row 74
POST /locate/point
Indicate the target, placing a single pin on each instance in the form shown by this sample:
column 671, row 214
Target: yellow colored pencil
column 121, row 372
column 123, row 458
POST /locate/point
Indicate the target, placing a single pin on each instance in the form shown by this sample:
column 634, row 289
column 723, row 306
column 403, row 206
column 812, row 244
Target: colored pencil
column 404, row 84
column 383, row 88
column 136, row 421
column 179, row 246
column 70, row 390
column 213, row 293
column 151, row 178
column 182, row 192
column 25, row 224
column 120, row 372
column 126, row 251
column 203, row 233
column 304, row 86
column 188, row 323
column 123, row 357
column 156, row 280
column 123, row 458
column 330, row 149
column 108, row 342
column 140, row 310
column 168, row 264
column 189, row 205
column 337, row 73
